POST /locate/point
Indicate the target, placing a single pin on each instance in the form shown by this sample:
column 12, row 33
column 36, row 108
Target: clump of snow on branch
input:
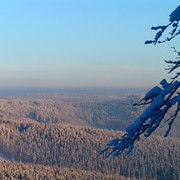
column 159, row 99
column 174, row 23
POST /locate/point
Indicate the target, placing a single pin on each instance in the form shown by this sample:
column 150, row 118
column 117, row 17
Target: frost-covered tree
column 158, row 100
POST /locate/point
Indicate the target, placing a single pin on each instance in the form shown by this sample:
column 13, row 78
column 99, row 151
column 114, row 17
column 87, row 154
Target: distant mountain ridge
column 86, row 91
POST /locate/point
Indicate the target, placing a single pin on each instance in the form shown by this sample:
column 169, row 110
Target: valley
column 63, row 134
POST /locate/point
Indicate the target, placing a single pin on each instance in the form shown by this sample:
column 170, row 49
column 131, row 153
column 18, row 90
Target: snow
column 157, row 103
column 113, row 142
column 130, row 128
column 164, row 83
column 175, row 15
column 158, row 35
column 175, row 100
column 170, row 88
column 152, row 93
column 130, row 149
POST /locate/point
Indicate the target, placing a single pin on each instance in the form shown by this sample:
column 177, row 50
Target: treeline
column 114, row 114
column 79, row 147
column 15, row 170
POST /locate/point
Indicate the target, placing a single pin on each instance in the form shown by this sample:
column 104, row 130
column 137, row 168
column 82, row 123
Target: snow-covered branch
column 162, row 100
column 159, row 99
column 174, row 23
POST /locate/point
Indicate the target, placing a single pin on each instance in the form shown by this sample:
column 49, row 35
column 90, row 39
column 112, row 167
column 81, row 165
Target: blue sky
column 82, row 43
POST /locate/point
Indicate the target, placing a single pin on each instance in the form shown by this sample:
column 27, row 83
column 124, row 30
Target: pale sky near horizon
column 82, row 43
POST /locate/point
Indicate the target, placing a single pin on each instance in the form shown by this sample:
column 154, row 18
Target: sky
column 82, row 43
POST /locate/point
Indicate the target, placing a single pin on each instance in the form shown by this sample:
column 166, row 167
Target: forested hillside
column 107, row 112
column 14, row 170
column 78, row 148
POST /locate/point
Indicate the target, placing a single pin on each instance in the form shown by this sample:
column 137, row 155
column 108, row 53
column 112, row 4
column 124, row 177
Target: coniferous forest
column 40, row 139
